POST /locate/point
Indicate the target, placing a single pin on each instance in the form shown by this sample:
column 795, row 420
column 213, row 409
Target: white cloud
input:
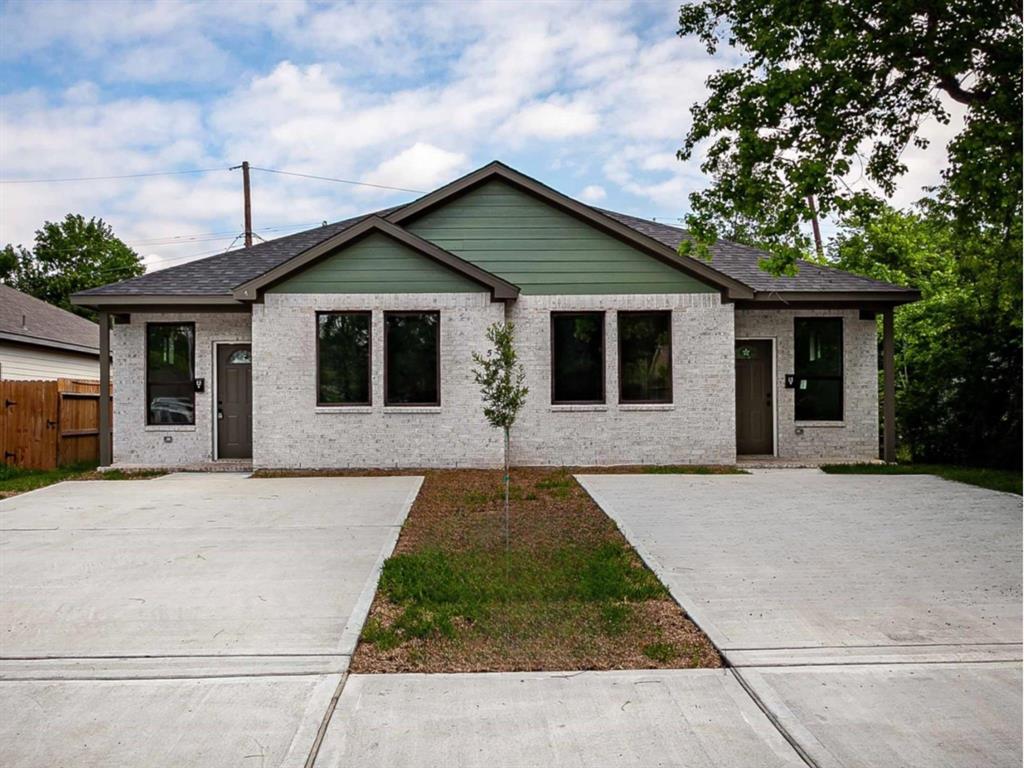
column 579, row 94
column 551, row 119
column 420, row 167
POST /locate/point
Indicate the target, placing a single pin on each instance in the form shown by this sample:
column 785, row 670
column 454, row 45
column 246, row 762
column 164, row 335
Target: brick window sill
column 343, row 409
column 647, row 407
column 412, row 409
column 577, row 408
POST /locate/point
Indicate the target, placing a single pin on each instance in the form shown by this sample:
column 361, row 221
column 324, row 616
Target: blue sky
column 592, row 98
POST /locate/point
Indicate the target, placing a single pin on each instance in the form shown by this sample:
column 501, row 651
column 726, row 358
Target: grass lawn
column 569, row 594
column 995, row 479
column 15, row 480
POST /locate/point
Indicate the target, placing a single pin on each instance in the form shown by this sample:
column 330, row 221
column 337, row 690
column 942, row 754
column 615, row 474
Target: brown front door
column 234, row 401
column 754, row 398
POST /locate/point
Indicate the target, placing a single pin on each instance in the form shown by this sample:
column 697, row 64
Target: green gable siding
column 377, row 264
column 543, row 250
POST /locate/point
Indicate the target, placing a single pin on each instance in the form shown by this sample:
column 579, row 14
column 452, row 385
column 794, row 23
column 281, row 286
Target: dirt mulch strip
column 540, row 617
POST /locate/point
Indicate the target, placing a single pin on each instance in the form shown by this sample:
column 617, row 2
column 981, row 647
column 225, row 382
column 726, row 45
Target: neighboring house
column 350, row 345
column 41, row 341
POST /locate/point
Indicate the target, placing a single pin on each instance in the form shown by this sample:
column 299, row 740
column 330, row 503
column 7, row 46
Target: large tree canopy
column 69, row 256
column 832, row 92
column 958, row 350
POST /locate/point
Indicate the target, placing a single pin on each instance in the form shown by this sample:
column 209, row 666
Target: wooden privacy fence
column 48, row 424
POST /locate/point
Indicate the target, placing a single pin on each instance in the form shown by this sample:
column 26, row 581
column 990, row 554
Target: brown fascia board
column 158, row 302
column 730, row 287
column 501, row 290
column 826, row 299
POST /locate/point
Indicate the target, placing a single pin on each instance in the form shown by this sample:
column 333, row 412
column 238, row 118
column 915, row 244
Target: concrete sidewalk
column 876, row 618
column 694, row 718
column 187, row 620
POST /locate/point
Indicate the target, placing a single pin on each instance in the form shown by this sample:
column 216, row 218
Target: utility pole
column 818, row 248
column 248, row 201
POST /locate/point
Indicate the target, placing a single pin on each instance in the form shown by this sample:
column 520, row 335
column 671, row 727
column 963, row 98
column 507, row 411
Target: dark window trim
column 604, row 356
column 369, row 355
column 671, row 366
column 149, row 423
column 396, row 313
column 841, row 378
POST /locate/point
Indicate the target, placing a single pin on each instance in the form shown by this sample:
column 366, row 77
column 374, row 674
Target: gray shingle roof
column 218, row 275
column 741, row 263
column 29, row 320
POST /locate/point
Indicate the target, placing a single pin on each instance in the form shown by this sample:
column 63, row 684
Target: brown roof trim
column 804, row 299
column 501, row 290
column 730, row 287
column 159, row 302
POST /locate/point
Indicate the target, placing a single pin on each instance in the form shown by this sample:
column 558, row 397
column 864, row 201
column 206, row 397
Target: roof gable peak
column 495, row 169
column 501, row 290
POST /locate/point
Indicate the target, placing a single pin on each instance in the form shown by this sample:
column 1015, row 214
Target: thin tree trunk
column 506, row 488
column 818, row 247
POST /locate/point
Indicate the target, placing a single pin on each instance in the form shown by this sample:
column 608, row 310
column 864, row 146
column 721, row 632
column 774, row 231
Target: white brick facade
column 856, row 437
column 136, row 443
column 697, row 428
column 290, row 431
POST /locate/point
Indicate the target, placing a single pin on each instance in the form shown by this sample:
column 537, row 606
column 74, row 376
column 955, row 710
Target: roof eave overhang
column 159, row 302
column 500, row 289
column 730, row 287
column 64, row 346
column 829, row 299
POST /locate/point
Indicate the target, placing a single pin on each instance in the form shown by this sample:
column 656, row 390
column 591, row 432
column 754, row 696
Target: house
column 350, row 345
column 41, row 341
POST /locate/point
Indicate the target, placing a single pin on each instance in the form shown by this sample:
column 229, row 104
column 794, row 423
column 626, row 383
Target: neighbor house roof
column 733, row 268
column 27, row 320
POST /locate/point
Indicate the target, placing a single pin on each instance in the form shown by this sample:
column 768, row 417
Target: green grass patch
column 1006, row 480
column 15, row 480
column 660, row 652
column 436, row 590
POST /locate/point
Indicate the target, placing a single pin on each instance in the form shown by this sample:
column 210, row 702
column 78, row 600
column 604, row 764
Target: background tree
column 501, row 378
column 958, row 350
column 834, row 91
column 69, row 256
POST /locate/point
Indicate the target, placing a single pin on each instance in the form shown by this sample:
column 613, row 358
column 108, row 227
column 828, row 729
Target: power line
column 201, row 237
column 340, row 181
column 104, row 178
column 209, row 170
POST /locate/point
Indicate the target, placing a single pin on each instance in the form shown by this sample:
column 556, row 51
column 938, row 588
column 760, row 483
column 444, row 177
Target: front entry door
column 234, row 401
column 754, row 433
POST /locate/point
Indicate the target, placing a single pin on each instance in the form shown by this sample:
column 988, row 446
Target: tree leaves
column 501, row 377
column 830, row 90
column 69, row 256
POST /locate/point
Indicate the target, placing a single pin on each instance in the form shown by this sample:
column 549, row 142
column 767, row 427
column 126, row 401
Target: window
column 170, row 373
column 819, row 368
column 577, row 357
column 645, row 357
column 412, row 358
column 343, row 358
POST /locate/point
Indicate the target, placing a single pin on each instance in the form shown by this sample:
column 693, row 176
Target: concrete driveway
column 193, row 619
column 876, row 619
